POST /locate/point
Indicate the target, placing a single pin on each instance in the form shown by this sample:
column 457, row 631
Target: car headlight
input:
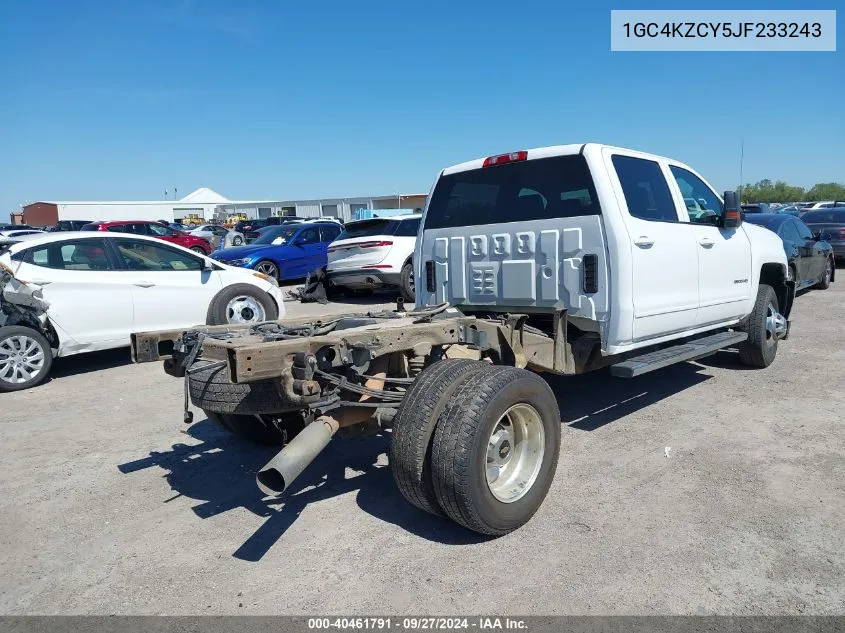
column 239, row 262
column 272, row 280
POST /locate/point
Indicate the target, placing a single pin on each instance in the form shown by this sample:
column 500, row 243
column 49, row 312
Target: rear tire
column 210, row 390
column 414, row 424
column 406, row 283
column 199, row 249
column 25, row 357
column 241, row 303
column 824, row 282
column 496, row 449
column 762, row 345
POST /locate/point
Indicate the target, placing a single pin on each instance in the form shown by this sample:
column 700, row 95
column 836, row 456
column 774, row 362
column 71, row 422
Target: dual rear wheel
column 476, row 443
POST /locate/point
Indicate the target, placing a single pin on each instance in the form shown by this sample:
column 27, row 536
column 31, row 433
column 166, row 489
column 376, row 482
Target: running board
column 669, row 356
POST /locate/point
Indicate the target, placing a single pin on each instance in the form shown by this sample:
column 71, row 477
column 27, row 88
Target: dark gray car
column 829, row 225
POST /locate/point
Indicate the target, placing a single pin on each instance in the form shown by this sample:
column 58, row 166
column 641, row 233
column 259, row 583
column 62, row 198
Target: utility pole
column 741, row 160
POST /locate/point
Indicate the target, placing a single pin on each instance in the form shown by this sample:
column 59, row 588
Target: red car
column 152, row 229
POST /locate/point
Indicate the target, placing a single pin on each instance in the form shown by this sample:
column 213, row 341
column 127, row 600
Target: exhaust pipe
column 278, row 474
column 288, row 464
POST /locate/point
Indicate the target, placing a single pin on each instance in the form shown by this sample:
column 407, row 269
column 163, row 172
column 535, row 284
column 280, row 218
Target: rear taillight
column 502, row 159
column 591, row 273
column 842, row 234
column 379, row 244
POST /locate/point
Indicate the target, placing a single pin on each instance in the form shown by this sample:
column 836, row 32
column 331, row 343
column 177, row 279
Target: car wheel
column 496, row 449
column 406, row 283
column 241, row 303
column 25, row 358
column 199, row 249
column 824, row 283
column 266, row 267
column 765, row 325
column 237, row 240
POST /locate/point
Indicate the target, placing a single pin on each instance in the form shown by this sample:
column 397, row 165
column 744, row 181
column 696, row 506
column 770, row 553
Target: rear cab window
column 537, row 189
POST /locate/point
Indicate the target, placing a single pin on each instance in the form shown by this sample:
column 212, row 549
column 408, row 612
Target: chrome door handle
column 40, row 282
column 144, row 284
column 644, row 241
column 706, row 242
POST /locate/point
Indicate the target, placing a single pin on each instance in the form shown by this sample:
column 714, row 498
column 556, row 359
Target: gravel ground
column 702, row 488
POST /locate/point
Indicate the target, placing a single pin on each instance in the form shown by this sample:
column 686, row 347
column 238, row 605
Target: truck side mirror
column 732, row 217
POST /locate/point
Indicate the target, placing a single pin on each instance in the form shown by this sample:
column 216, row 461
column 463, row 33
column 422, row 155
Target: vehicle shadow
column 89, row 362
column 590, row 401
column 219, row 471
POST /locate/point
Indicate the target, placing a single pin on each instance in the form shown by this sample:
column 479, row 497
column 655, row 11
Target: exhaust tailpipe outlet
column 278, row 474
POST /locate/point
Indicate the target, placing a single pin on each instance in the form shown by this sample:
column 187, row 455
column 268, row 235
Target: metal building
column 345, row 209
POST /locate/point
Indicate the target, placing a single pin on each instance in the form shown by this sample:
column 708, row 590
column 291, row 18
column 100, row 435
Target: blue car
column 285, row 252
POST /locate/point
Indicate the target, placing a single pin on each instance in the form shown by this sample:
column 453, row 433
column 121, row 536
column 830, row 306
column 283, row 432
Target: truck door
column 724, row 255
column 664, row 258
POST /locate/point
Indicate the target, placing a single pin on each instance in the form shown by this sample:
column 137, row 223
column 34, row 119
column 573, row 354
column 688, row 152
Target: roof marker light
column 501, row 159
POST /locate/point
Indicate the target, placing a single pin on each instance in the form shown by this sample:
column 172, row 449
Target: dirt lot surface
column 702, row 488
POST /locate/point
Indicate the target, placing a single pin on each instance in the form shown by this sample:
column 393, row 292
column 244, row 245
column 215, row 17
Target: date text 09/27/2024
column 417, row 624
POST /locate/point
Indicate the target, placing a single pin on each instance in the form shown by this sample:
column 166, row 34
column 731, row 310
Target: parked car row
column 362, row 255
column 72, row 292
column 811, row 259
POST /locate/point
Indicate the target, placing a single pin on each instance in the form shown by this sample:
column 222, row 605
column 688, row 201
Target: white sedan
column 19, row 232
column 101, row 287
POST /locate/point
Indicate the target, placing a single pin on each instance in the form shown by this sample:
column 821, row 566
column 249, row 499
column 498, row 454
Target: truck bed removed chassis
column 268, row 351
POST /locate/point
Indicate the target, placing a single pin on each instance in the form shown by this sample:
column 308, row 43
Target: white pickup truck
column 561, row 259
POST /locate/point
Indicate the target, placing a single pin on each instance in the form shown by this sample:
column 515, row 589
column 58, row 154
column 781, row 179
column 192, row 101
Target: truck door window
column 703, row 205
column 537, row 189
column 646, row 192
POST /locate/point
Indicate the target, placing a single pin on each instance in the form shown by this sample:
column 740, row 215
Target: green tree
column 826, row 191
column 780, row 191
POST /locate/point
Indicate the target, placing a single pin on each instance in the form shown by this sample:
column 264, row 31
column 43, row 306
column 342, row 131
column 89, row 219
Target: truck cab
column 605, row 233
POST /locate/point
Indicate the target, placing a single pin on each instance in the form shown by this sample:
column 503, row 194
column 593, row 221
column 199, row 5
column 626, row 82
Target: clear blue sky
column 285, row 99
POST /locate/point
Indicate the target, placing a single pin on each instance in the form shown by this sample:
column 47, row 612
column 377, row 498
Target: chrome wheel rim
column 515, row 451
column 21, row 359
column 828, row 272
column 245, row 309
column 267, row 268
column 790, row 275
column 237, row 241
column 775, row 324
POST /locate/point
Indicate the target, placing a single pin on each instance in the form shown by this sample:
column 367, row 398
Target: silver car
column 218, row 236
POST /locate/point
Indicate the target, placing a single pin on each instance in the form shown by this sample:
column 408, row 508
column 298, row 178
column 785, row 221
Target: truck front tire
column 762, row 345
column 496, row 449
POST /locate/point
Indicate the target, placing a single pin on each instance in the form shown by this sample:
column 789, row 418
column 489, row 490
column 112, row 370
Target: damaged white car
column 69, row 293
